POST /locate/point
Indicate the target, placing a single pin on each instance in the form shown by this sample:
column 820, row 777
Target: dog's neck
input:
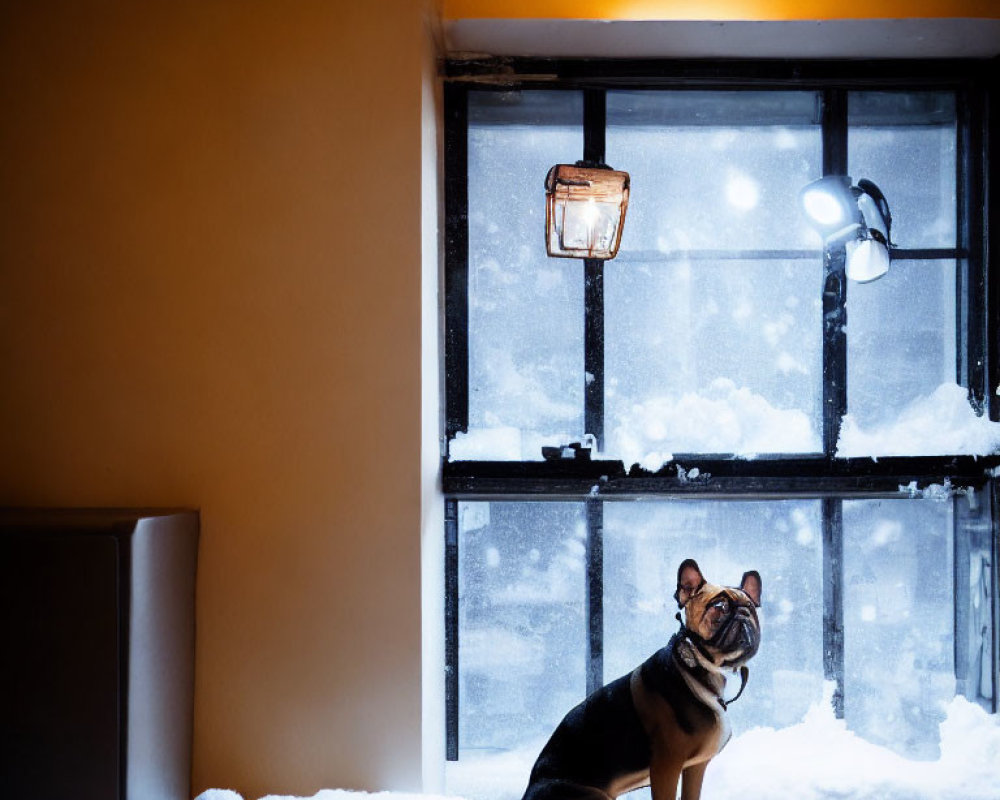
column 710, row 676
column 700, row 667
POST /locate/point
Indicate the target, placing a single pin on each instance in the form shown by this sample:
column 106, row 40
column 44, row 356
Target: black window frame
column 821, row 476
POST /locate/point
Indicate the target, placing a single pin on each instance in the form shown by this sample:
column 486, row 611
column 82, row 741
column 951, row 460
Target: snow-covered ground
column 325, row 794
column 816, row 759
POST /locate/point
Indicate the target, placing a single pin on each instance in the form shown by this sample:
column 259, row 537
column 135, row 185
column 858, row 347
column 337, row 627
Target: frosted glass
column 900, row 339
column 898, row 622
column 713, row 356
column 522, row 625
column 644, row 544
column 905, row 143
column 525, row 309
column 715, row 170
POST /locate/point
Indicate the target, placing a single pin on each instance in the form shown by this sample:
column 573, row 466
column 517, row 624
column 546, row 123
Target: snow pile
column 487, row 444
column 729, row 419
column 942, row 423
column 723, row 419
column 324, row 794
column 502, row 776
column 219, row 794
column 504, row 443
column 819, row 759
column 342, row 794
column 816, row 759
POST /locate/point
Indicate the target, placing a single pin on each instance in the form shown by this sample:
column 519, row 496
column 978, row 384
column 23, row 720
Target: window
column 769, row 414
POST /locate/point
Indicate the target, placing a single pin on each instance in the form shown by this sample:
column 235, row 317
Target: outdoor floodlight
column 584, row 210
column 856, row 215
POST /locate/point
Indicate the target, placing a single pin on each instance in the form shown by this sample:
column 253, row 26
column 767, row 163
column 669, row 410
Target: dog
column 665, row 719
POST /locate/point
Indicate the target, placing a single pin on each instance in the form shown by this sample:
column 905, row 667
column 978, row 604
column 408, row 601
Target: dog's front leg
column 691, row 783
column 664, row 775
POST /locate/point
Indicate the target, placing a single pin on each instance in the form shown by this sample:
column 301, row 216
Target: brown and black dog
column 666, row 718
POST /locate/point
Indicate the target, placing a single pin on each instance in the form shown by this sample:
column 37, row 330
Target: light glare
column 742, row 193
column 823, row 207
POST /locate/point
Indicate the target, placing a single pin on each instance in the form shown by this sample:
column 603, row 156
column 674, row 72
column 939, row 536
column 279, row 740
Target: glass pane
column 525, row 309
column 901, row 350
column 714, row 170
column 644, row 543
column 713, row 356
column 522, row 628
column 898, row 621
column 905, row 143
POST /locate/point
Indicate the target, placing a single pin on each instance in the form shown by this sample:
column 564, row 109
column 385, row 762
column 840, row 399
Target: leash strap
column 744, row 674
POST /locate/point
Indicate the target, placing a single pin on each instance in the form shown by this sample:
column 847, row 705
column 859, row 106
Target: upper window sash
column 952, row 255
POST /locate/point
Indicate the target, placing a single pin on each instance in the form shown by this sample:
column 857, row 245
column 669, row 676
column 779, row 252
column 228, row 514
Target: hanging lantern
column 584, row 210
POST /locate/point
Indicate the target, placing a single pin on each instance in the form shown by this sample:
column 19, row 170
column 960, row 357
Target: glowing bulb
column 584, row 210
column 823, row 207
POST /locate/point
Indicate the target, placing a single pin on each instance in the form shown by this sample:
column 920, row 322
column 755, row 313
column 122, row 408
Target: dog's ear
column 689, row 581
column 751, row 586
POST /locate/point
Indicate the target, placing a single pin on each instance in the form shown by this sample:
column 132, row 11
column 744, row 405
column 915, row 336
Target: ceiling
column 840, row 38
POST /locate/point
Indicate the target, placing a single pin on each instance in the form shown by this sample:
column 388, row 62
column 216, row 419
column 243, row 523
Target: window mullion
column 993, row 498
column 833, row 598
column 834, row 123
column 970, row 276
column 456, row 199
column 451, row 684
column 594, row 121
column 991, row 219
column 594, row 124
column 593, row 350
column 595, row 595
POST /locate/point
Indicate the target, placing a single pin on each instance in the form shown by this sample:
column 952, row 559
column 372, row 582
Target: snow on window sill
column 735, row 420
column 722, row 419
column 942, row 423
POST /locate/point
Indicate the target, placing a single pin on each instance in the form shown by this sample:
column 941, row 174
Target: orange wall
column 716, row 9
column 210, row 297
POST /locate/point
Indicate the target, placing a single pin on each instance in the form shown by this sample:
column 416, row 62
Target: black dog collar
column 744, row 675
column 699, row 644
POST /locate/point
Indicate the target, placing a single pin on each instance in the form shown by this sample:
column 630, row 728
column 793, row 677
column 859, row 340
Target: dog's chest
column 711, row 744
column 682, row 715
column 626, row 783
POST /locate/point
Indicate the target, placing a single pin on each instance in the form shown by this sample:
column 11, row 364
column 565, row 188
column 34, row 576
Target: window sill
column 722, row 476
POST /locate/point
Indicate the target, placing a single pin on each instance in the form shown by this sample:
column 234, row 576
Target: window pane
column 525, row 309
column 522, row 631
column 975, row 597
column 905, row 143
column 714, row 170
column 900, row 349
column 898, row 621
column 644, row 543
column 713, row 356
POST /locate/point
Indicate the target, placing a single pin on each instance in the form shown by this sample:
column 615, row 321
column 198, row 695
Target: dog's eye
column 721, row 605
